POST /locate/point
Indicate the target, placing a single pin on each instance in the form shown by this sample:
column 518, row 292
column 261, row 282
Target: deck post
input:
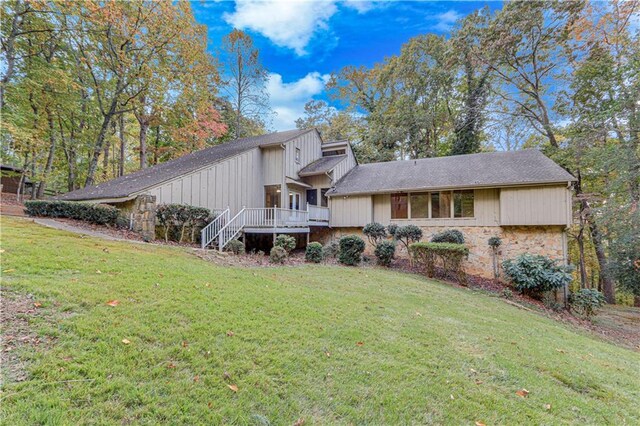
column 308, row 234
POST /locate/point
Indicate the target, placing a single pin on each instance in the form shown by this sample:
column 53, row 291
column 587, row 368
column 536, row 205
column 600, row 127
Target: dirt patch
column 10, row 206
column 256, row 259
column 17, row 313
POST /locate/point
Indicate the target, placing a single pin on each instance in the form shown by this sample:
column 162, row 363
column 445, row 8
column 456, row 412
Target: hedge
column 451, row 257
column 94, row 213
column 178, row 220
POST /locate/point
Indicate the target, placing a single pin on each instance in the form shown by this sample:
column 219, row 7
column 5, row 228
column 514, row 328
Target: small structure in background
column 14, row 181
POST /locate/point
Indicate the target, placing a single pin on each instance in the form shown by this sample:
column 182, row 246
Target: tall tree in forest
column 245, row 81
column 331, row 123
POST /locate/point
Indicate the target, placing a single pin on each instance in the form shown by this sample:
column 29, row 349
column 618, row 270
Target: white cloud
column 446, row 20
column 286, row 23
column 288, row 99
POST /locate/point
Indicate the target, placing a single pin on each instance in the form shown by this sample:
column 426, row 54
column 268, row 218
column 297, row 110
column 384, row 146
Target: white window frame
column 297, row 154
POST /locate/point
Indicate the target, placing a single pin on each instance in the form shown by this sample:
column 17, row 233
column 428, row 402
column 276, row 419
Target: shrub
column 586, row 301
column 452, row 236
column 450, row 256
column 122, row 222
column 277, row 255
column 624, row 262
column 549, row 301
column 235, row 247
column 385, row 251
column 313, row 253
column 287, row 242
column 392, row 229
column 94, row 213
column 408, row 234
column 507, row 293
column 351, row 249
column 494, row 242
column 180, row 219
column 375, row 233
column 331, row 249
column 535, row 274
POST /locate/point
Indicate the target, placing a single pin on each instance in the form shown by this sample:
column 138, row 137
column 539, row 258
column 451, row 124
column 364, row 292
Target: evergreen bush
column 452, row 236
column 351, row 249
column 287, row 242
column 385, row 251
column 99, row 214
column 277, row 255
column 313, row 253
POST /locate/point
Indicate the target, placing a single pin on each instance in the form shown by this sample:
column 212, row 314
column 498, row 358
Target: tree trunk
column 157, row 146
column 144, row 127
column 97, row 149
column 52, row 150
column 122, row 146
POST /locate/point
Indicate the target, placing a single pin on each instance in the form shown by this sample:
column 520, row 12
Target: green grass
column 427, row 346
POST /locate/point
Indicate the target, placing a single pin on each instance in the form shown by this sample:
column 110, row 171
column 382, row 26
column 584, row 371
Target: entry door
column 294, row 200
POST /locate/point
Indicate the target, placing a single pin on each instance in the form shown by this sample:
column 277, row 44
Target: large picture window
column 463, row 203
column 312, row 197
column 399, row 206
column 440, row 205
column 420, row 205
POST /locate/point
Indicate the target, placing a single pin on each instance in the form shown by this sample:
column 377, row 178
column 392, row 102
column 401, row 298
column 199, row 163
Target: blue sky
column 302, row 42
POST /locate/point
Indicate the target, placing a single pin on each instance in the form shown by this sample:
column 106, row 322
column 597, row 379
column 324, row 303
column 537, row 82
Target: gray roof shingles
column 461, row 171
column 133, row 183
column 323, row 165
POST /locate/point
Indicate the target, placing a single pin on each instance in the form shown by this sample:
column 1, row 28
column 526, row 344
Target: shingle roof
column 323, row 165
column 127, row 185
column 461, row 171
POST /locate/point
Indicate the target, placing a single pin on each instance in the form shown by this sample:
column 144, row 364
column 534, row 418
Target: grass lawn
column 429, row 353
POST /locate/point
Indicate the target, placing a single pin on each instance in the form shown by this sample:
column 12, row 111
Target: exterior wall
column 234, row 182
column 272, row 166
column 543, row 205
column 142, row 214
column 310, row 150
column 544, row 240
column 344, row 166
column 350, row 211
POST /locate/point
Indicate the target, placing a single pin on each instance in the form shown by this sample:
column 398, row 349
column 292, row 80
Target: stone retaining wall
column 141, row 211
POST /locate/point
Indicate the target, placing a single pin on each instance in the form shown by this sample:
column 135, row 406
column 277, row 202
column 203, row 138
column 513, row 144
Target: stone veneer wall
column 142, row 212
column 544, row 240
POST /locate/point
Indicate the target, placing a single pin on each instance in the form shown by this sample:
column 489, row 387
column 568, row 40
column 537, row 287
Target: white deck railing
column 224, row 229
column 318, row 214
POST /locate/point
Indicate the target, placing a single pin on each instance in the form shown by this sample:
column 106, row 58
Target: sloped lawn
column 318, row 343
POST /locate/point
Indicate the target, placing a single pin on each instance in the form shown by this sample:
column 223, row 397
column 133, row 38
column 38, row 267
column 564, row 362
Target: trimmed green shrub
column 287, row 242
column 331, row 249
column 277, row 255
column 351, row 249
column 408, row 234
column 535, row 274
column 178, row 220
column 313, row 253
column 375, row 232
column 235, row 247
column 452, row 236
column 385, row 251
column 450, row 256
column 392, row 229
column 586, row 302
column 93, row 213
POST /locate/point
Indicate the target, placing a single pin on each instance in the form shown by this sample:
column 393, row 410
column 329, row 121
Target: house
column 14, row 181
column 293, row 182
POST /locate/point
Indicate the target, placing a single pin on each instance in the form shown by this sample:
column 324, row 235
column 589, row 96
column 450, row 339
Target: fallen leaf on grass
column 6, row 271
column 230, row 333
column 418, row 314
column 37, row 304
column 196, row 379
column 98, row 271
column 1, row 250
column 480, row 424
column 299, row 422
column 233, row 387
column 359, row 343
column 560, row 350
column 547, row 406
column 113, row 303
column 184, row 344
column 479, row 382
column 171, row 365
column 210, row 405
column 328, row 354
column 522, row 393
column 126, row 341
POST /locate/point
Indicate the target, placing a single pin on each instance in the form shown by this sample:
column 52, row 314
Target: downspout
column 565, row 240
column 283, row 185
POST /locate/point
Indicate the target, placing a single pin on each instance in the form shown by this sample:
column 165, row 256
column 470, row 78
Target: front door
column 294, row 200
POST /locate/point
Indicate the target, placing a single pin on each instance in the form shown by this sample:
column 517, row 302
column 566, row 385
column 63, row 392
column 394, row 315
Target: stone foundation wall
column 141, row 211
column 543, row 240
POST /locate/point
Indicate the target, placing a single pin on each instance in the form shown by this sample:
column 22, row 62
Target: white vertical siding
column 542, row 205
column 351, row 211
column 310, row 148
column 272, row 165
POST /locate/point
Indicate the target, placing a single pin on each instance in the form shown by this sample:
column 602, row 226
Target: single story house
column 294, row 182
column 13, row 180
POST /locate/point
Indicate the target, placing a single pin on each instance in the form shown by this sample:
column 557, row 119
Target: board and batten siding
column 542, row 205
column 350, row 211
column 343, row 167
column 272, row 165
column 309, row 145
column 233, row 182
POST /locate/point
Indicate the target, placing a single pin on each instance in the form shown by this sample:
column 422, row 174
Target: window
column 312, row 197
column 323, row 197
column 334, row 152
column 399, row 206
column 272, row 196
column 297, row 155
column 462, row 203
column 420, row 205
column 440, row 204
